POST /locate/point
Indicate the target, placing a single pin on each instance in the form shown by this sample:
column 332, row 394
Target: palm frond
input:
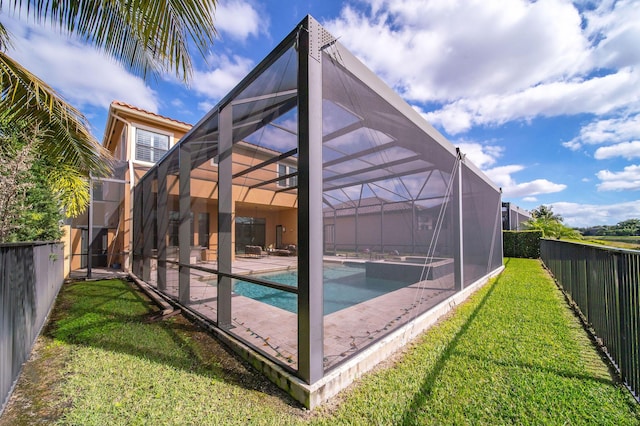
column 71, row 188
column 147, row 36
column 26, row 98
column 5, row 39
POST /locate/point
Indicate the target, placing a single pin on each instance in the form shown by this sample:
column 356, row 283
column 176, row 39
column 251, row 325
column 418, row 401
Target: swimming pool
column 344, row 286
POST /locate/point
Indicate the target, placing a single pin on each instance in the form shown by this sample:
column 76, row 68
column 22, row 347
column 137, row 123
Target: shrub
column 523, row 244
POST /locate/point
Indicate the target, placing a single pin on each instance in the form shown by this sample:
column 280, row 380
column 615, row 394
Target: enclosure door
column 99, row 249
column 250, row 231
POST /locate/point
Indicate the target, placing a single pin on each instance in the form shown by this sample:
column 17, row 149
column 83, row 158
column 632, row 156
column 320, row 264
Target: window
column 174, row 228
column 284, row 170
column 425, row 222
column 150, row 146
column 250, row 231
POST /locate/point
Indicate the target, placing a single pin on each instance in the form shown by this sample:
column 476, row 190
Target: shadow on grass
column 113, row 315
column 532, row 367
column 421, row 397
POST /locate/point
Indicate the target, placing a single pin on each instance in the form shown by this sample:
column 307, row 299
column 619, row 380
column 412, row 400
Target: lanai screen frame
column 513, row 217
column 218, row 132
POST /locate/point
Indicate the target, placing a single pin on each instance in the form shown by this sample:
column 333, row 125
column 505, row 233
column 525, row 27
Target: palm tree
column 149, row 37
column 545, row 212
column 544, row 219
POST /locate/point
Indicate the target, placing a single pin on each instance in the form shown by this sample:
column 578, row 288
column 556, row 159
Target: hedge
column 525, row 244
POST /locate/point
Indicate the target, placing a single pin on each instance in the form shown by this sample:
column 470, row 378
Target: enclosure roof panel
column 361, row 138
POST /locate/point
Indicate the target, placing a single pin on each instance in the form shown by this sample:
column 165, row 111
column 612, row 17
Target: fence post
column 614, row 346
column 621, row 302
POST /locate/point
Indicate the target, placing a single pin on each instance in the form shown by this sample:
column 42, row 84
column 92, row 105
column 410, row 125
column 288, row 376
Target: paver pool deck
column 274, row 331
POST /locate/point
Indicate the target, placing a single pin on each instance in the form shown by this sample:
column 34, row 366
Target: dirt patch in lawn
column 37, row 397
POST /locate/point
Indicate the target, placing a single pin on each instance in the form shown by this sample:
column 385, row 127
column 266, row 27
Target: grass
column 119, row 368
column 625, row 242
column 513, row 354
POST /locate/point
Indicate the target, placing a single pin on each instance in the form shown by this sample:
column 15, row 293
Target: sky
column 543, row 96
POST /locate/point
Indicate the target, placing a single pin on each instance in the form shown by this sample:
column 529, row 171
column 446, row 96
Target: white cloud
column 479, row 154
column 583, row 215
column 615, row 92
column 240, row 20
column 177, row 103
column 445, row 50
column 84, row 76
column 530, row 199
column 617, row 26
column 627, row 179
column 501, row 176
column 227, row 73
column 453, row 120
column 275, row 138
column 535, row 187
column 487, row 155
column 178, row 108
column 572, row 145
column 607, row 131
column 490, row 62
column 205, row 106
column 627, row 150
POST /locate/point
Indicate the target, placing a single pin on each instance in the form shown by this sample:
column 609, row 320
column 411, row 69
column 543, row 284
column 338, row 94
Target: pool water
column 344, row 286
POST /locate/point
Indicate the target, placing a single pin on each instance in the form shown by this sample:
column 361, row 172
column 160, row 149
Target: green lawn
column 623, row 242
column 513, row 354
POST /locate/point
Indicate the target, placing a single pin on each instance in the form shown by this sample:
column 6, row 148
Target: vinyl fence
column 605, row 285
column 31, row 275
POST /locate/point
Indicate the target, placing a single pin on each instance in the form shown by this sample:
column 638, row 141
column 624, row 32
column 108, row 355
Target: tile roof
column 126, row 105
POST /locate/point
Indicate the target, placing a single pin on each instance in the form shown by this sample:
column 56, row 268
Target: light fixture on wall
column 284, row 229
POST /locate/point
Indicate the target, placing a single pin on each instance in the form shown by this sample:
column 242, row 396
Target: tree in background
column 626, row 228
column 29, row 210
column 15, row 163
column 544, row 219
column 148, row 37
column 546, row 213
